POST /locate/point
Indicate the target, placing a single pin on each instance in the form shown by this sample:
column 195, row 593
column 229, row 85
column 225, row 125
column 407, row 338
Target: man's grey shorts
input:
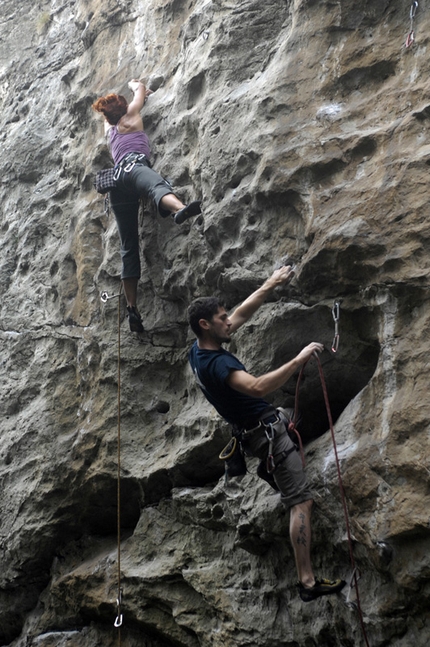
column 289, row 475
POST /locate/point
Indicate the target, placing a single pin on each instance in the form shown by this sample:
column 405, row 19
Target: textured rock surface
column 303, row 127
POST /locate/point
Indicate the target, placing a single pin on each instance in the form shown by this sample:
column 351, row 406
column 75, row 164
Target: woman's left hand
column 134, row 84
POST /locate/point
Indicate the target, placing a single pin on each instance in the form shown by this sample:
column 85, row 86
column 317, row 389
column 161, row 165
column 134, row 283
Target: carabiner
column 270, row 462
column 118, row 619
column 413, row 11
column 410, row 39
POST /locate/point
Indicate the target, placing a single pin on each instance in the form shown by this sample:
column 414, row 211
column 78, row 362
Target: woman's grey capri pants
column 140, row 182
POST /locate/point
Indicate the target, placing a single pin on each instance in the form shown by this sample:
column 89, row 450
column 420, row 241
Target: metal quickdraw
column 104, row 296
column 336, row 316
column 411, row 36
column 118, row 619
column 270, row 434
column 106, row 205
column 353, row 584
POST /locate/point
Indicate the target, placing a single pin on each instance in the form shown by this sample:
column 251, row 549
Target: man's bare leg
column 300, row 535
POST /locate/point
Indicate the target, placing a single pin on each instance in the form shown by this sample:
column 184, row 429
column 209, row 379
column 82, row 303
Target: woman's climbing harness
column 411, row 35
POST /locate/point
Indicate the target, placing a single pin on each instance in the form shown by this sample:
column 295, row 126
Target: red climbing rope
column 355, row 573
column 354, row 577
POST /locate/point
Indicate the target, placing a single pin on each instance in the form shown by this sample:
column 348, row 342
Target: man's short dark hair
column 202, row 308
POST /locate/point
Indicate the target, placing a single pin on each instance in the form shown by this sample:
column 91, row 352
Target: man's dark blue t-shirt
column 211, row 369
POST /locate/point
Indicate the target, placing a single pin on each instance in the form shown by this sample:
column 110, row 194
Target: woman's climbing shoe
column 321, row 587
column 192, row 209
column 134, row 319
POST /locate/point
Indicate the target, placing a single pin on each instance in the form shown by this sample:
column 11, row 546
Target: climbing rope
column 355, row 573
column 292, row 424
column 291, row 427
column 119, row 617
column 411, row 35
column 104, row 296
column 335, row 311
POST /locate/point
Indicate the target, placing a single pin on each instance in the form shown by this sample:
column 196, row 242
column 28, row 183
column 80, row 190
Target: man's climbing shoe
column 321, row 587
column 192, row 209
column 134, row 319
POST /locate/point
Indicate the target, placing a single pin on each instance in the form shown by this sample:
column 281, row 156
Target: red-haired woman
column 130, row 150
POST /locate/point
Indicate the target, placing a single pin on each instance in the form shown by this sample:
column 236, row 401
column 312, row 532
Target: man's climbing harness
column 411, row 35
column 336, row 315
column 119, row 615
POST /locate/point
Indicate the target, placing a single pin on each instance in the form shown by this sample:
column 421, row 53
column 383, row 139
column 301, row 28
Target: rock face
column 302, row 126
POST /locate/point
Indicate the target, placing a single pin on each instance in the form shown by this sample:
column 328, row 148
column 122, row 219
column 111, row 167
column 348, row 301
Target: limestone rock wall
column 303, row 128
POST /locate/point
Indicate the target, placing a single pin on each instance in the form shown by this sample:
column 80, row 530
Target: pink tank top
column 122, row 144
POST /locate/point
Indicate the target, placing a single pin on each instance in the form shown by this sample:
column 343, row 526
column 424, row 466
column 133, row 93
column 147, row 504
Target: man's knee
column 303, row 506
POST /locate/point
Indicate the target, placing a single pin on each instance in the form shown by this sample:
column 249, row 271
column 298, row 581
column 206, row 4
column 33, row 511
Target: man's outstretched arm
column 258, row 387
column 257, row 298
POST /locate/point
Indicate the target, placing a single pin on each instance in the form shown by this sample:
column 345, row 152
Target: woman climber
column 130, row 149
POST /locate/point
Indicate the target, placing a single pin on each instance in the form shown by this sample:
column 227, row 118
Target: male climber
column 239, row 399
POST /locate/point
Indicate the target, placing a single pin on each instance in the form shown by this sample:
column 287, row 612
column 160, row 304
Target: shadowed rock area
column 302, row 126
